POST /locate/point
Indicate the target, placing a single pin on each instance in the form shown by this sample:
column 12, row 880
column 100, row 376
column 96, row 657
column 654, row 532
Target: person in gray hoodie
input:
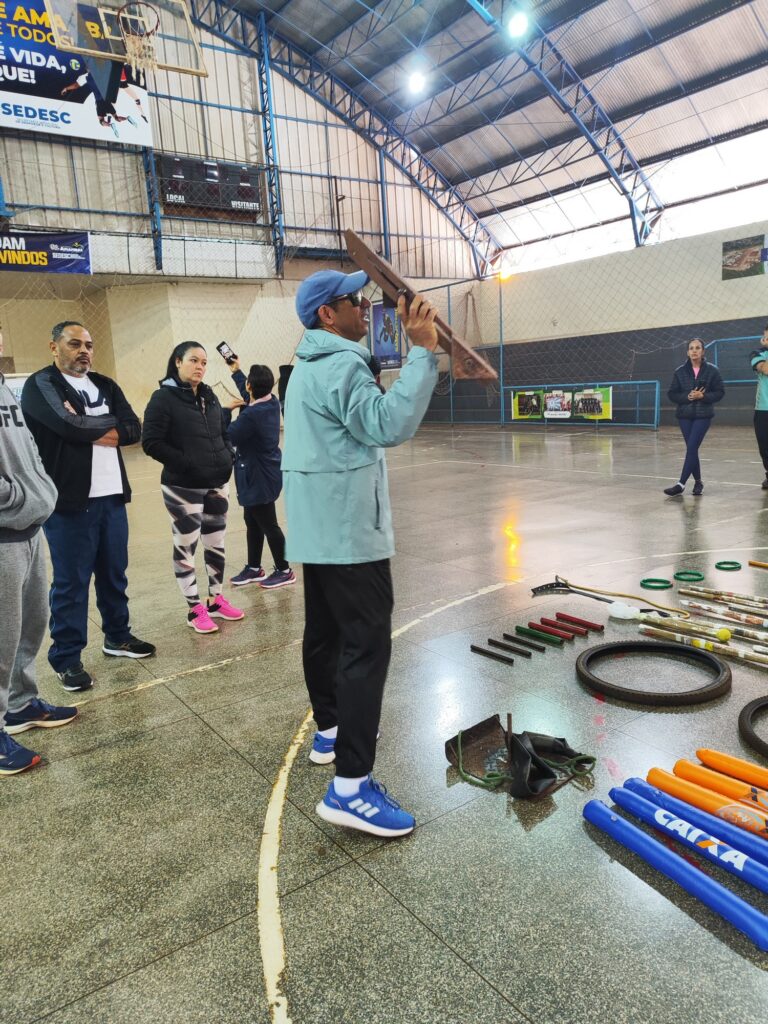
column 27, row 498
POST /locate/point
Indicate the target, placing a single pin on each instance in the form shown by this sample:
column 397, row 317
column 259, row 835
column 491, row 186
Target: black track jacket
column 65, row 441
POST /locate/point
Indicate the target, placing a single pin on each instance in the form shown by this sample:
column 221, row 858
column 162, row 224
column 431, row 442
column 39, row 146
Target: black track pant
column 761, row 433
column 347, row 646
column 261, row 522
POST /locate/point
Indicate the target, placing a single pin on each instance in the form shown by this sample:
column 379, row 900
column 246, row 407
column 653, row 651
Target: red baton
column 574, row 630
column 579, row 622
column 549, row 629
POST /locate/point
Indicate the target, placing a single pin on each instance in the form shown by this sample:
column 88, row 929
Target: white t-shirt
column 105, row 470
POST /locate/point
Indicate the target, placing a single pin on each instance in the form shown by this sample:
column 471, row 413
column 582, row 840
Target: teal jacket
column 761, row 398
column 337, row 422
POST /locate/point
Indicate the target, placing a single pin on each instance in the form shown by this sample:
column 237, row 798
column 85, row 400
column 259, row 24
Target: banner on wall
column 557, row 404
column 385, row 336
column 745, row 257
column 44, row 89
column 593, row 403
column 64, row 253
column 527, row 405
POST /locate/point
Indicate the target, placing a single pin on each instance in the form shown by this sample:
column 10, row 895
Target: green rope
column 491, row 781
column 574, row 767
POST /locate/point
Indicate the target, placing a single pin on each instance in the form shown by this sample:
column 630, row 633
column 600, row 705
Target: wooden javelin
column 465, row 364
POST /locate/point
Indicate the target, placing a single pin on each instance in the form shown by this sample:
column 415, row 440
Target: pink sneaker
column 220, row 608
column 199, row 620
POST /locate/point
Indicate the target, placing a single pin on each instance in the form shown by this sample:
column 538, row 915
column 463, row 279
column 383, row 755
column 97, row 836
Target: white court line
column 271, row 938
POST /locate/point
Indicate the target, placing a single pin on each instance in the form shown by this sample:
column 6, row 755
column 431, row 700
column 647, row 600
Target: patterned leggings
column 197, row 512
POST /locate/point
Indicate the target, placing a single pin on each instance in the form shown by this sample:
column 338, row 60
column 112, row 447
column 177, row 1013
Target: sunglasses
column 355, row 298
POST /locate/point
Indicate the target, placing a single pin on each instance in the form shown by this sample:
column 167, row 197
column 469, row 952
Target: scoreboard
column 194, row 183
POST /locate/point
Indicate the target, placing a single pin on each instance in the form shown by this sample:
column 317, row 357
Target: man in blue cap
column 337, row 422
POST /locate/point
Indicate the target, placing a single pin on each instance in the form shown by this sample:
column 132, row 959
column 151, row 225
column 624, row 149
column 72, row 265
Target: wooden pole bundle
column 760, row 660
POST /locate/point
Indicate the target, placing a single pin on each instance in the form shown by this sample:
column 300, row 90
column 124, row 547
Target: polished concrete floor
column 130, row 881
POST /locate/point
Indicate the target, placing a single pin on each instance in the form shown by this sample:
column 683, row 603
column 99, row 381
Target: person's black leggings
column 260, row 523
column 761, row 433
column 694, row 432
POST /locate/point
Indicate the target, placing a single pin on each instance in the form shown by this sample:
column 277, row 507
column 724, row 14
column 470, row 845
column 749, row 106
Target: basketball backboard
column 98, row 28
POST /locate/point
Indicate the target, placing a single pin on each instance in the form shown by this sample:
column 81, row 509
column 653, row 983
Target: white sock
column 255, row 568
column 347, row 787
column 329, row 734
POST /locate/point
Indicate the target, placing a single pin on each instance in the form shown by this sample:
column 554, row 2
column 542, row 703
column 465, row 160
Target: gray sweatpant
column 23, row 622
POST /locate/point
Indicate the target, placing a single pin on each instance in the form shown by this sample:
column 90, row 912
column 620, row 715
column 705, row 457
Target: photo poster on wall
column 557, row 404
column 593, row 403
column 745, row 257
column 386, row 335
column 527, row 405
column 44, row 89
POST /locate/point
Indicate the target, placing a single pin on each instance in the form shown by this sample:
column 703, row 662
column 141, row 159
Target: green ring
column 728, row 566
column 690, row 576
column 653, row 583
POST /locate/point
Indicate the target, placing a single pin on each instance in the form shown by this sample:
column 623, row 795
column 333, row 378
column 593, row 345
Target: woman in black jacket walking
column 256, row 434
column 695, row 388
column 184, row 429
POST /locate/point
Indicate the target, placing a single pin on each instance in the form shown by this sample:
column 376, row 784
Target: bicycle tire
column 746, row 726
column 717, row 687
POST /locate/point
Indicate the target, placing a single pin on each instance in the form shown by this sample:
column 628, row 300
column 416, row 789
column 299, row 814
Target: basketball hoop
column 139, row 23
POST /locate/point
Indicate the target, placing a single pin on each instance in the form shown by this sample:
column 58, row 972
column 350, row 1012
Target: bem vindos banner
column 64, row 253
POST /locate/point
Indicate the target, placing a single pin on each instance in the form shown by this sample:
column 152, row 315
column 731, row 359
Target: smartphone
column 226, row 352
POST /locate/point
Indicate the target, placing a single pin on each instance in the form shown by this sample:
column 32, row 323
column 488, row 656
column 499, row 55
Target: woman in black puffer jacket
column 185, row 430
column 695, row 388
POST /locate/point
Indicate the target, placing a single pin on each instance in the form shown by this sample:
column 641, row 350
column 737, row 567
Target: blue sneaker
column 371, row 809
column 278, row 578
column 247, row 575
column 323, row 749
column 38, row 715
column 13, row 757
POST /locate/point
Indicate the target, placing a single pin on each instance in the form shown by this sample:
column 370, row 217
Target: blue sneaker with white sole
column 38, row 715
column 13, row 757
column 371, row 810
column 323, row 749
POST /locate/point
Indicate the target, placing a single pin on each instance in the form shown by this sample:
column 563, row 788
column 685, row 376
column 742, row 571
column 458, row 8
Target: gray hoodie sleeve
column 27, row 493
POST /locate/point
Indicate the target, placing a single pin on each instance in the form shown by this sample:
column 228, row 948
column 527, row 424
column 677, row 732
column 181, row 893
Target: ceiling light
column 518, row 24
column 417, row 82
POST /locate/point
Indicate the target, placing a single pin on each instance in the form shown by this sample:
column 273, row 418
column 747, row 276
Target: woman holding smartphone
column 185, row 430
column 696, row 387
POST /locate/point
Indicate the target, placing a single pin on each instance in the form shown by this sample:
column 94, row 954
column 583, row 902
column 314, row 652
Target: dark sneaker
column 675, row 489
column 371, row 809
column 247, row 575
column 75, row 678
column 13, row 757
column 278, row 578
column 130, row 648
column 698, row 488
column 38, row 715
column 764, row 484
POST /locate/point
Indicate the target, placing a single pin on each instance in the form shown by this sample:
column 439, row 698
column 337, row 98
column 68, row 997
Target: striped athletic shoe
column 371, row 809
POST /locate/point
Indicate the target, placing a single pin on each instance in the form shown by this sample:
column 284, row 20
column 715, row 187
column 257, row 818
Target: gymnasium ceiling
column 674, row 76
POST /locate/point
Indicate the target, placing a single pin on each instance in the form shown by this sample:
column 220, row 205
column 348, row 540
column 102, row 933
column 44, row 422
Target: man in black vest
column 79, row 420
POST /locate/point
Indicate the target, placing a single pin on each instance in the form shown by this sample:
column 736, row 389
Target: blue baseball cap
column 320, row 288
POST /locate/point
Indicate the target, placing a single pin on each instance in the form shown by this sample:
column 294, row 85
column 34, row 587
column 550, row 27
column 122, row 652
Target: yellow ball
column 724, row 635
